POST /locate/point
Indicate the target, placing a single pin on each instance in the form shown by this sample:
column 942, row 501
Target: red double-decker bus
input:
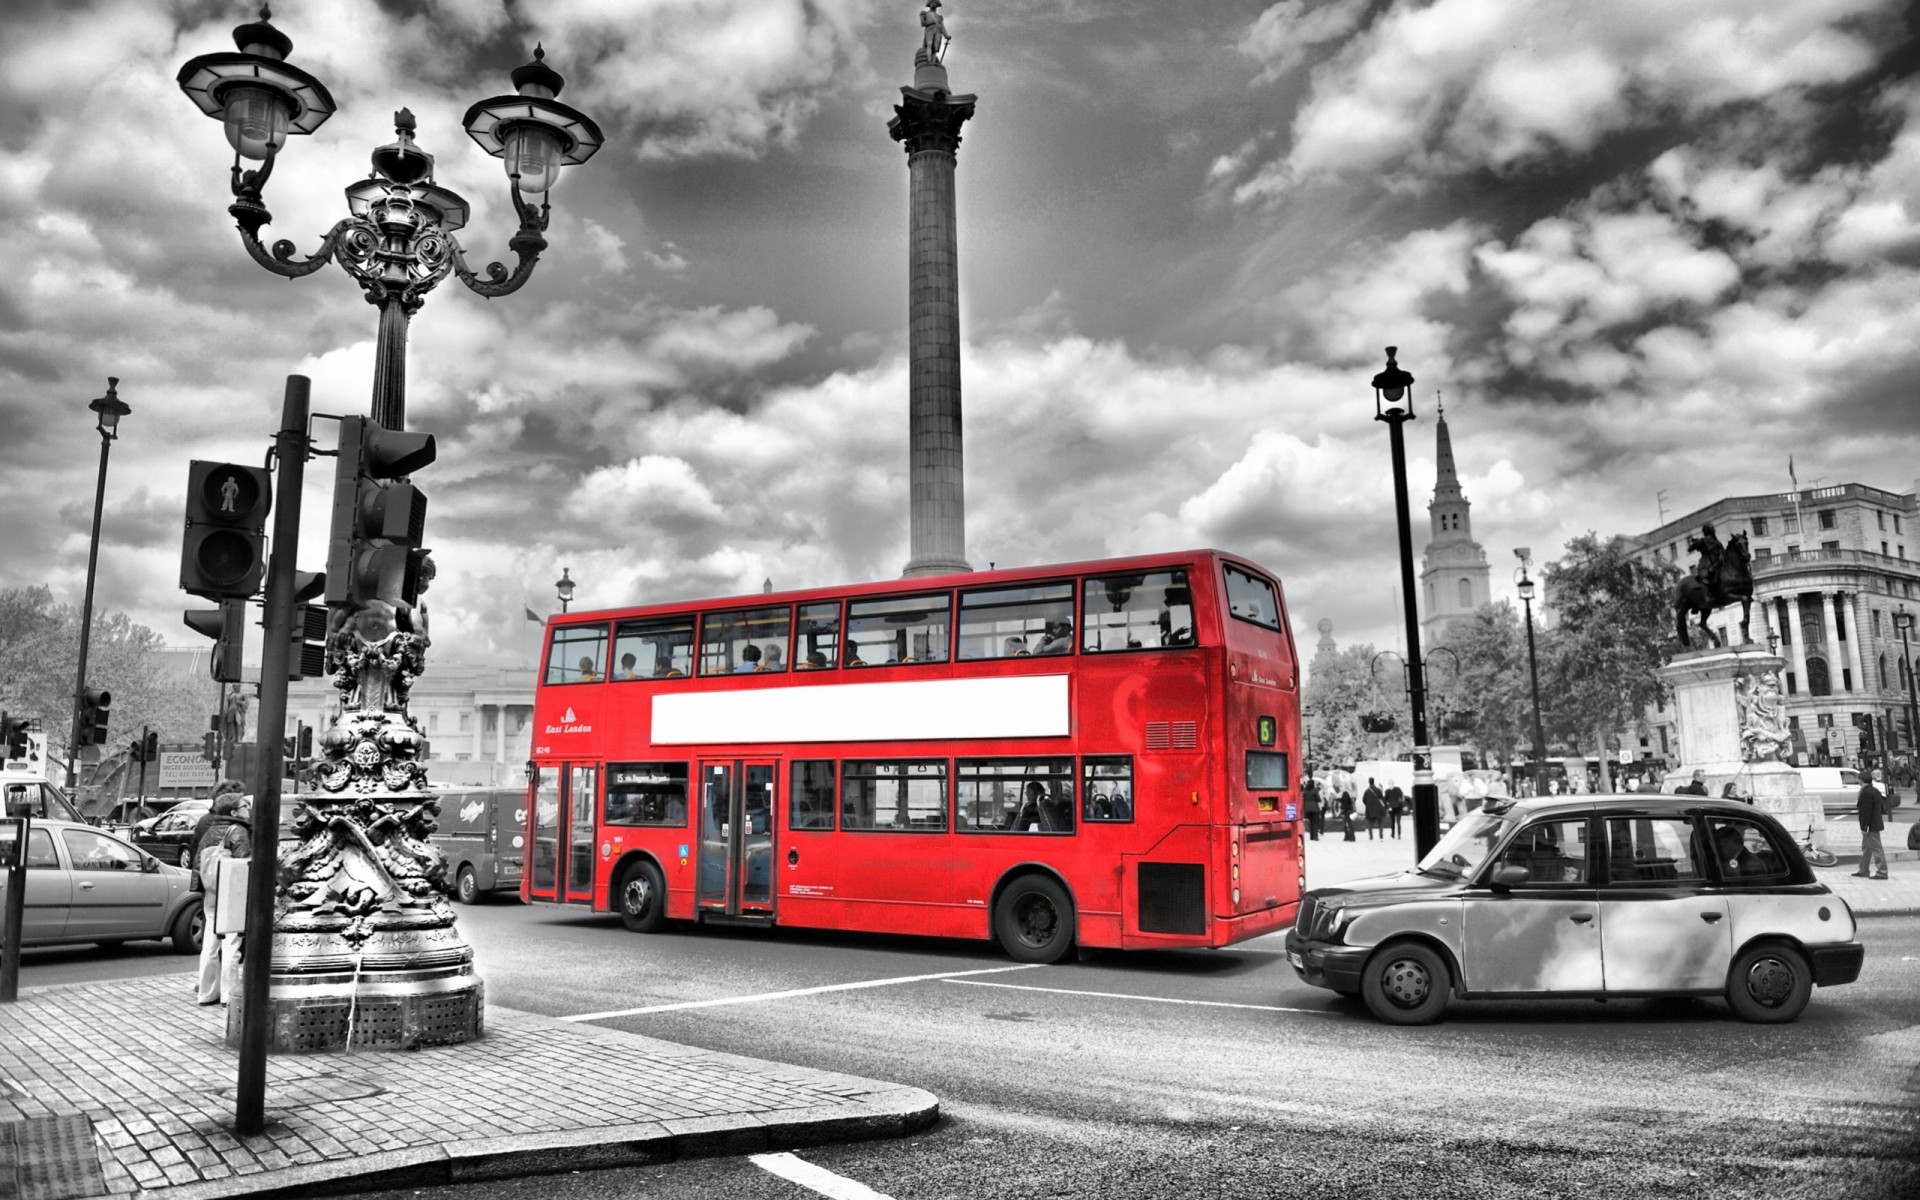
column 1100, row 753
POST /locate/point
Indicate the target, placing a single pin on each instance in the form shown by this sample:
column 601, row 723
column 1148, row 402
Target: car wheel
column 466, row 888
column 1034, row 920
column 186, row 857
column 1769, row 985
column 642, row 898
column 1406, row 983
column 188, row 928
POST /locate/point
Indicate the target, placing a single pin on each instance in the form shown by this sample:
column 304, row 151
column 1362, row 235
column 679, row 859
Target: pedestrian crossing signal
column 224, row 555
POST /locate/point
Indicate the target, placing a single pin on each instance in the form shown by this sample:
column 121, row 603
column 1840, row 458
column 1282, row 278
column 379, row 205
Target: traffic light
column 306, row 743
column 210, row 746
column 136, row 751
column 93, row 716
column 224, row 555
column 379, row 522
column 151, row 751
column 287, row 748
column 13, row 737
column 309, row 650
column 226, row 625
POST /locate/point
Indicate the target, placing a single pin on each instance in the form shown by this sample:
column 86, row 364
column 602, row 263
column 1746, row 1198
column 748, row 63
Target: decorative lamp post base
column 387, row 1009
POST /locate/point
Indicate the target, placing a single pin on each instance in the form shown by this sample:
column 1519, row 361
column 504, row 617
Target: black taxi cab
column 1597, row 897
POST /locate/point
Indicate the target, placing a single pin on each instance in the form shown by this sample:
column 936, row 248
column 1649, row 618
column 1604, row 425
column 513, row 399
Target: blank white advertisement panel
column 1022, row 706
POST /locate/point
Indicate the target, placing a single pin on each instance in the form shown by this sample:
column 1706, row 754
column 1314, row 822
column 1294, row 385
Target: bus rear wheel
column 641, row 896
column 1034, row 920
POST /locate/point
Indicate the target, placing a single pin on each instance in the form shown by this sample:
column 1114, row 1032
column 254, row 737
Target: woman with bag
column 209, row 852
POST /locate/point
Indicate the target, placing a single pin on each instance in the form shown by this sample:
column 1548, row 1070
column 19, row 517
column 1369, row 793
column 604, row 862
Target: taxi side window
column 1551, row 851
column 40, row 855
column 1642, row 850
column 1744, row 855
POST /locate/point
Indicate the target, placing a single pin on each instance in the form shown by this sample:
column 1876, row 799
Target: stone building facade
column 478, row 721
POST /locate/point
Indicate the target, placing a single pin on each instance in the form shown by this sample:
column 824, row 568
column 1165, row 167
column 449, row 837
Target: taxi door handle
column 1581, row 918
column 1711, row 917
column 86, row 885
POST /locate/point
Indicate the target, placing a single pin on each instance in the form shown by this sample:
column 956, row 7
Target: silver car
column 1601, row 897
column 86, row 885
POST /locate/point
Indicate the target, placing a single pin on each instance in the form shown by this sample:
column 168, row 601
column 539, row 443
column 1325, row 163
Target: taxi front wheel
column 1406, row 983
column 1769, row 985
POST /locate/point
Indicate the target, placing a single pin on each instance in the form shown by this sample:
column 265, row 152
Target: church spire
column 1446, row 486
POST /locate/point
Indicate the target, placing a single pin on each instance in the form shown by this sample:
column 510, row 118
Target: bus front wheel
column 642, row 897
column 1034, row 920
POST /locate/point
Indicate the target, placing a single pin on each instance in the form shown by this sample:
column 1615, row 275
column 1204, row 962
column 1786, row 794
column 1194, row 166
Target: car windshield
column 1467, row 845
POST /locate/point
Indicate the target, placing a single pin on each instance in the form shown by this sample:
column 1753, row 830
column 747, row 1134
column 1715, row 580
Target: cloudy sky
column 1634, row 246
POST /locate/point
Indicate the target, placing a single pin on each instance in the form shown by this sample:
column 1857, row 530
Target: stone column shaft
column 1852, row 601
column 1799, row 644
column 1832, row 650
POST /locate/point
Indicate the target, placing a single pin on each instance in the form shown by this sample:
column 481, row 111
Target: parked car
column 169, row 836
column 483, row 834
column 85, row 885
column 1601, row 897
column 1839, row 788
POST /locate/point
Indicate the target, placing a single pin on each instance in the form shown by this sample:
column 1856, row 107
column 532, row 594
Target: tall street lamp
column 108, row 410
column 1533, row 670
column 1903, row 621
column 563, row 587
column 1393, row 403
column 398, row 241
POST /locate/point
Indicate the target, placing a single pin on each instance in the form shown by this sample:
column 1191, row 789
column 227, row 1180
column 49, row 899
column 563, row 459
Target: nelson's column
column 927, row 122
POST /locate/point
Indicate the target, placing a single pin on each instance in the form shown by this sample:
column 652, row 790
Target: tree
column 40, row 647
column 1492, row 680
column 1612, row 620
column 1344, row 688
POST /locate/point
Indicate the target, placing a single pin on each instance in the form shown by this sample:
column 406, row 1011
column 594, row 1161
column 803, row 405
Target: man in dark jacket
column 1396, row 806
column 1375, row 805
column 1872, row 807
column 1310, row 797
column 1697, row 788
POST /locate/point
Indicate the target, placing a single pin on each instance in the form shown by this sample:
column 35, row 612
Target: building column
column 479, row 722
column 1832, row 651
column 927, row 122
column 1853, row 640
column 1799, row 642
column 500, row 735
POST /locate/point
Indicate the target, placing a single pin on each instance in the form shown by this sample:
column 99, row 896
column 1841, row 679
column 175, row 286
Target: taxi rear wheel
column 1769, row 985
column 1406, row 983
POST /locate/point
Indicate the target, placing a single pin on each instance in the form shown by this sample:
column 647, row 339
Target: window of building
column 1830, row 545
column 578, row 654
column 1876, row 622
column 1883, row 547
column 1762, row 554
column 657, row 648
column 1106, row 788
column 1901, row 550
column 810, row 798
column 1790, row 522
column 1148, row 611
column 1881, row 518
column 898, row 797
column 1828, row 519
column 1896, row 522
column 1819, row 683
column 1252, row 598
column 1793, row 684
column 647, row 793
column 1014, row 795
column 898, row 629
column 1883, row 670
column 816, row 636
column 1466, row 594
column 1793, row 547
column 433, row 722
column 1017, row 622
column 1759, row 527
column 466, row 722
column 744, row 641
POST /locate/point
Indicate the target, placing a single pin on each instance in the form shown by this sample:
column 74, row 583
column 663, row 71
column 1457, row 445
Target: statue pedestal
column 1705, row 687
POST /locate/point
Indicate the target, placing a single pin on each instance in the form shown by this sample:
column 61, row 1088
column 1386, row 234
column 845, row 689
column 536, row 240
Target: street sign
column 185, row 768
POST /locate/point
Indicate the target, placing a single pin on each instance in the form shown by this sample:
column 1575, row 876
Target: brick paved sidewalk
column 127, row 1087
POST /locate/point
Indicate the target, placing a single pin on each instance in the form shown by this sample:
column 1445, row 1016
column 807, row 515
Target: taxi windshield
column 1467, row 845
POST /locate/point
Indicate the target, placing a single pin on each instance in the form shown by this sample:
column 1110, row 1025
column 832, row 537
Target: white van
column 1838, row 788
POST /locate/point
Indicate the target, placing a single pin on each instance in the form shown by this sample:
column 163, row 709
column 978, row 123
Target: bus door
column 561, row 863
column 736, row 836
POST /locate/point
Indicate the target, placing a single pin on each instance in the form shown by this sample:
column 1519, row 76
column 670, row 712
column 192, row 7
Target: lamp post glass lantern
column 1393, row 403
column 563, row 587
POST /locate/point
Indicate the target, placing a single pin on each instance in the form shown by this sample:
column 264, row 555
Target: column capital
column 929, row 119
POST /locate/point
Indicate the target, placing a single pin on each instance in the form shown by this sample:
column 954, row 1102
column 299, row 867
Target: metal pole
column 143, row 762
column 1913, row 703
column 1533, row 673
column 16, row 912
column 86, row 618
column 1426, row 797
column 290, row 452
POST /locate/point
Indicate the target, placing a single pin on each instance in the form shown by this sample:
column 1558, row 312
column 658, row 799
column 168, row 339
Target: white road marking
column 761, row 997
column 798, row 1170
column 1018, row 987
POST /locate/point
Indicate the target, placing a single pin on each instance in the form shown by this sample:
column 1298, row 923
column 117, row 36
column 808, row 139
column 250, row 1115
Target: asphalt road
column 1217, row 1073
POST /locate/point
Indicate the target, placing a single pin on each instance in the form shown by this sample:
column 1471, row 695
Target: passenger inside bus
column 771, row 660
column 749, row 660
column 853, row 654
column 629, row 667
column 1058, row 638
column 816, row 659
column 587, row 673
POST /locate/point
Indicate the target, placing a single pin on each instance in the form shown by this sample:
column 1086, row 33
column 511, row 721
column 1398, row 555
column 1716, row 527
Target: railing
column 1824, row 557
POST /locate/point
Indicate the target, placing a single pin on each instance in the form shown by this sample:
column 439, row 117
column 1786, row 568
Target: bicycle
column 1818, row 856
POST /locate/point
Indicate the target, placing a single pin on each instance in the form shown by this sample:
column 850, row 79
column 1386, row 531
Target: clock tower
column 1454, row 575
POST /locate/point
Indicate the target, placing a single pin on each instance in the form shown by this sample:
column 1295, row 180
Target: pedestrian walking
column 1375, row 804
column 210, row 852
column 1872, row 807
column 1310, row 797
column 1346, row 813
column 1396, row 806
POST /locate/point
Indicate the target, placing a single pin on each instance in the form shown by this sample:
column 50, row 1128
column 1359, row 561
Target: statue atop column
column 934, row 38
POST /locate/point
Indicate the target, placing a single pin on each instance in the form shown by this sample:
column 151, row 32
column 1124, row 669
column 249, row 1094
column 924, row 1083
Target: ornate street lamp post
column 1903, row 621
column 563, row 587
column 398, row 241
column 108, row 410
column 1533, row 671
column 1393, row 403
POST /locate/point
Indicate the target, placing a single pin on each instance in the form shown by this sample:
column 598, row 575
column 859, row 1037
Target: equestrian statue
column 1721, row 576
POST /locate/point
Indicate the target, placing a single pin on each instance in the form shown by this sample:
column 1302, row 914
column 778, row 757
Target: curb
column 1871, row 914
column 892, row 1112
